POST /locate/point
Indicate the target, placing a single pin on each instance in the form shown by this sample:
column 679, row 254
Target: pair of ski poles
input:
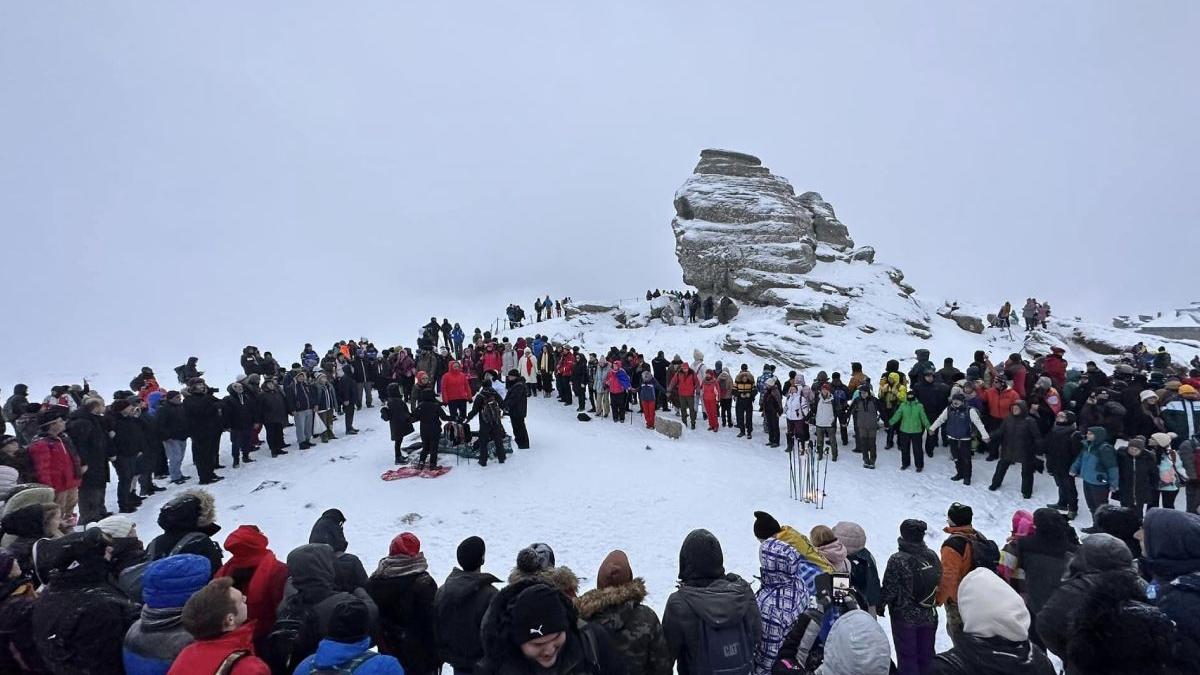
column 809, row 472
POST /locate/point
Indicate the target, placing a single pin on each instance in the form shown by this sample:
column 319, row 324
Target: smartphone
column 841, row 586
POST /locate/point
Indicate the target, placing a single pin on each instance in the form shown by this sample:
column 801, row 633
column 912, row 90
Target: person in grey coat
column 866, row 411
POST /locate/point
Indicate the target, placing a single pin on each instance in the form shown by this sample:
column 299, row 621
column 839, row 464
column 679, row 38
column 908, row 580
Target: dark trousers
column 126, row 473
column 660, row 400
column 744, row 407
column 914, row 646
column 910, row 450
column 349, row 418
column 1095, row 496
column 520, row 433
column 960, row 450
column 866, row 445
column 619, row 405
column 1168, row 498
column 1026, row 475
column 490, row 434
column 726, row 412
column 429, row 446
column 274, row 437
column 398, row 449
column 204, row 456
column 547, row 383
column 1068, row 494
column 145, row 472
column 91, row 504
column 458, row 410
column 772, row 424
column 580, row 391
column 239, row 440
column 844, row 427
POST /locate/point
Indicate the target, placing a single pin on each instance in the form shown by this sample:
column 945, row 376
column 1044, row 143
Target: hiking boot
column 956, row 477
column 993, row 487
column 741, row 433
column 1057, row 506
column 920, row 469
column 966, row 481
column 929, row 452
column 352, row 432
column 904, row 467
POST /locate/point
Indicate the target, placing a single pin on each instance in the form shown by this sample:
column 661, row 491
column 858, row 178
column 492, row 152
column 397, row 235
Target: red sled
column 413, row 472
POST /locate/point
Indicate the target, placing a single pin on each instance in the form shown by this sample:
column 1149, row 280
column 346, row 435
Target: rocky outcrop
column 726, row 309
column 971, row 324
column 739, row 229
column 827, row 227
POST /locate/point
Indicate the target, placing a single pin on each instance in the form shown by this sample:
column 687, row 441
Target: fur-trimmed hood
column 560, row 578
column 193, row 510
column 598, row 600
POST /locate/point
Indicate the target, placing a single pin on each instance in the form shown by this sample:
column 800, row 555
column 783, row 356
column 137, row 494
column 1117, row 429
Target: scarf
column 401, row 566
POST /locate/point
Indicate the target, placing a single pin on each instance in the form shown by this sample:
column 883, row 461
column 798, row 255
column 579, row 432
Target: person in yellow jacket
column 766, row 527
column 893, row 390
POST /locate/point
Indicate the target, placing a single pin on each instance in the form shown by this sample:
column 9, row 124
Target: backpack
column 839, row 398
column 984, row 553
column 231, row 661
column 346, row 668
column 490, row 415
column 925, row 580
column 293, row 637
column 724, row 649
column 130, row 578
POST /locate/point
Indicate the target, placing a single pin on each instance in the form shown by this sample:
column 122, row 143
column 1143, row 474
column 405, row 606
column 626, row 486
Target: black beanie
column 960, row 514
column 538, row 612
column 350, row 621
column 913, row 530
column 470, row 554
column 765, row 525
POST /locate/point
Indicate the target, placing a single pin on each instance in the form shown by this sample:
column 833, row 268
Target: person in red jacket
column 55, row 463
column 1055, row 367
column 566, row 365
column 257, row 574
column 710, row 392
column 999, row 400
column 685, row 384
column 1014, row 370
column 492, row 360
column 216, row 616
column 456, row 391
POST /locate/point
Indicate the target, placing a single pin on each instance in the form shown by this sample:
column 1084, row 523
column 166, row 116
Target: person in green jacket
column 1097, row 466
column 913, row 423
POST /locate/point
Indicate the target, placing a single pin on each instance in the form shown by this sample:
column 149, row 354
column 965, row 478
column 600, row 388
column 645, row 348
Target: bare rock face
column 826, row 225
column 726, row 310
column 739, row 229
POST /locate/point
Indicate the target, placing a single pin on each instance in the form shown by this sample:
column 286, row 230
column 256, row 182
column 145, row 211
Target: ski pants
column 429, row 446
column 745, row 414
column 910, row 450
column 648, row 412
column 239, row 443
column 710, row 409
column 1095, row 496
column 687, row 410
column 914, row 646
column 204, row 456
column 520, row 433
column 1026, row 475
column 827, row 433
column 274, row 437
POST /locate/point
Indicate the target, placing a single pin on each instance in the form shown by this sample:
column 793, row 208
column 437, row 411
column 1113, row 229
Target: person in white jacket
column 527, row 368
column 959, row 419
column 795, row 409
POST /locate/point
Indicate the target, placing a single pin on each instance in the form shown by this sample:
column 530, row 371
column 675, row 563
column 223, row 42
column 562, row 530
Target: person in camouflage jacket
column 617, row 604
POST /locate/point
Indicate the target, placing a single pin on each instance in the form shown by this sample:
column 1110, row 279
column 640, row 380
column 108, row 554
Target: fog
column 186, row 178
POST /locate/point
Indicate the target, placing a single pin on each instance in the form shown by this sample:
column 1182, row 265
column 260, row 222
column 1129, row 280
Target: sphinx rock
column 739, row 229
column 827, row 227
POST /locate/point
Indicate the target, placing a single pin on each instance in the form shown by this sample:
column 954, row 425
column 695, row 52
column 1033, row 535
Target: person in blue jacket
column 346, row 646
column 155, row 639
column 1097, row 466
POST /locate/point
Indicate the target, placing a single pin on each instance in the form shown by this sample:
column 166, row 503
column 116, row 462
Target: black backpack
column 130, row 578
column 724, row 649
column 294, row 636
column 926, row 578
column 984, row 553
column 490, row 415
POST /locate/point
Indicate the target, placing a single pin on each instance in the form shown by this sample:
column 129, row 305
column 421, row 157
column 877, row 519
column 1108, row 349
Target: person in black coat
column 250, row 361
column 131, row 444
column 430, row 414
column 1020, row 440
column 404, row 591
column 659, row 366
column 531, row 615
column 273, row 411
column 459, row 606
column 516, row 404
column 399, row 421
column 1063, row 445
column 189, row 515
column 203, row 413
column 1043, row 557
column 349, row 571
column 579, row 380
column 87, row 430
column 488, row 406
column 239, row 417
column 935, row 396
column 170, row 429
column 1138, row 472
column 80, row 619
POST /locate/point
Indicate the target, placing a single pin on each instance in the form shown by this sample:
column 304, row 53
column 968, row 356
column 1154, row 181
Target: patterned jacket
column 788, row 580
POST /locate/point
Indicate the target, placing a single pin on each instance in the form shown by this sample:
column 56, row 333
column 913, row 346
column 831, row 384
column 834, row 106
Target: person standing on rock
column 744, row 391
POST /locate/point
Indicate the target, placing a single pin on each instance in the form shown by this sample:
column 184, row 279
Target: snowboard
column 413, row 472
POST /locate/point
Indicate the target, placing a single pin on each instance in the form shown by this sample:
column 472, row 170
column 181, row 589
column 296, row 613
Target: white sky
column 183, row 178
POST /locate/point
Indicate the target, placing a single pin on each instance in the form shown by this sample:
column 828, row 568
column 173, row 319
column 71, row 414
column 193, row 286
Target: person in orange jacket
column 956, row 557
column 998, row 400
column 710, row 392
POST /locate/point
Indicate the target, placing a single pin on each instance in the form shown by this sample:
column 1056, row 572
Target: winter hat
column 614, row 571
column 960, row 515
column 120, row 406
column 1022, row 524
column 470, row 554
column 535, row 558
column 991, row 608
column 350, row 621
column 247, row 542
column 852, row 536
column 118, row 527
column 913, row 530
column 1187, row 390
column 405, row 544
column 765, row 525
column 169, row 582
column 858, row 645
column 1147, row 394
column 1138, row 442
column 1161, row 439
column 537, row 612
column 1043, row 382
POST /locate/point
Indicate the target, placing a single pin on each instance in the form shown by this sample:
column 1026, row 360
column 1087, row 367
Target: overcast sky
column 183, row 177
